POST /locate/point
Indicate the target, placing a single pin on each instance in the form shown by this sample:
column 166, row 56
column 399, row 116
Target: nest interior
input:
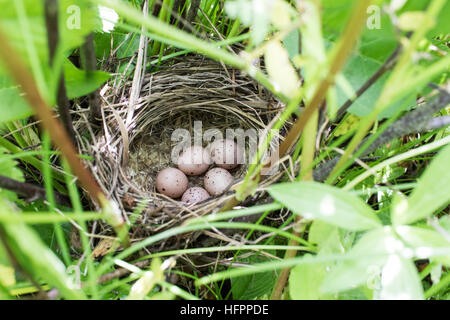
column 135, row 141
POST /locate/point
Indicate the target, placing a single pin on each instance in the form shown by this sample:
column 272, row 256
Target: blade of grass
column 48, row 184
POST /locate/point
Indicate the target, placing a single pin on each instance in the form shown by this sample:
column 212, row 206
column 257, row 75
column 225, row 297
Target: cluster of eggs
column 195, row 161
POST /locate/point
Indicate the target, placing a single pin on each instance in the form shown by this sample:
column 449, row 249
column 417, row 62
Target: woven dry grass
column 133, row 144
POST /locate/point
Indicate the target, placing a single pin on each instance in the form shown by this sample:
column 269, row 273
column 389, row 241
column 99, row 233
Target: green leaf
column 326, row 237
column 254, row 286
column 426, row 243
column 80, row 83
column 314, row 200
column 431, row 193
column 358, row 70
column 12, row 105
column 305, row 281
column 34, row 256
column 368, row 256
column 335, row 14
column 400, row 280
column 291, row 43
column 77, row 19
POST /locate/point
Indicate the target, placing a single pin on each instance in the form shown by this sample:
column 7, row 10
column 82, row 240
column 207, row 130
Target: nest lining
column 192, row 89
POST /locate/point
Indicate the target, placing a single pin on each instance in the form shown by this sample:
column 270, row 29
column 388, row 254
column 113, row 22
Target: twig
column 345, row 45
column 30, row 191
column 415, row 121
column 51, row 21
column 387, row 65
column 195, row 4
column 20, row 74
column 435, row 123
column 89, row 62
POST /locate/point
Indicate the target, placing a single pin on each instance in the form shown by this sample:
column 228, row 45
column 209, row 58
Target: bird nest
column 134, row 141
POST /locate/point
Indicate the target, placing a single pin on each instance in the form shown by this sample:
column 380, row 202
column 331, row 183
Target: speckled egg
column 226, row 153
column 171, row 182
column 217, row 180
column 194, row 195
column 194, row 161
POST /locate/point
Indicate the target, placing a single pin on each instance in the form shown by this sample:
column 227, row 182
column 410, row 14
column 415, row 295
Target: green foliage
column 80, row 83
column 8, row 168
column 431, row 193
column 13, row 106
column 24, row 23
column 34, row 256
column 254, row 286
column 382, row 259
column 305, row 281
column 313, row 200
column 358, row 247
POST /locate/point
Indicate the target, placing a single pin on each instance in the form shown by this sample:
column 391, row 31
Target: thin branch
column 193, row 10
column 51, row 21
column 418, row 120
column 30, row 191
column 387, row 65
column 89, row 62
column 345, row 46
column 435, row 123
column 21, row 75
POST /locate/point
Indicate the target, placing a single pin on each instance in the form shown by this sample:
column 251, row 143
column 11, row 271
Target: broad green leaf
column 105, row 42
column 79, row 82
column 314, row 200
column 326, row 237
column 35, row 257
column 292, row 44
column 280, row 69
column 400, row 280
column 431, row 193
column 12, row 105
column 358, row 70
column 254, row 286
column 77, row 19
column 305, row 281
column 368, row 257
column 426, row 243
column 335, row 14
column 375, row 46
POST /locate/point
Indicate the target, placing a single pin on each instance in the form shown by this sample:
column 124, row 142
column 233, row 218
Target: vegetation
column 359, row 208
